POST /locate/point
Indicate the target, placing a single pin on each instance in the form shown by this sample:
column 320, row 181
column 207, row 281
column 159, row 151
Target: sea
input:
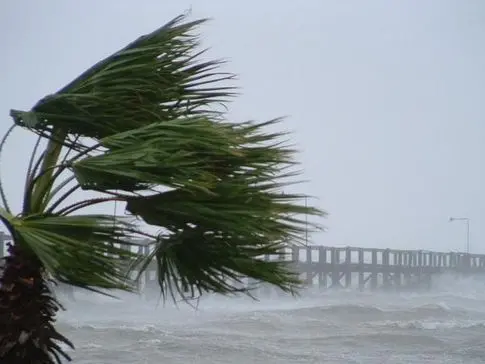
column 443, row 325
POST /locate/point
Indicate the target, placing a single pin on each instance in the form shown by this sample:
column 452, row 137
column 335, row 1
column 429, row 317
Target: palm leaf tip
column 216, row 234
column 198, row 263
column 215, row 239
column 158, row 77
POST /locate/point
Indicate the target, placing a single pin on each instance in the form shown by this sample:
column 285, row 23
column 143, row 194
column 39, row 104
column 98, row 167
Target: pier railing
column 327, row 266
column 333, row 267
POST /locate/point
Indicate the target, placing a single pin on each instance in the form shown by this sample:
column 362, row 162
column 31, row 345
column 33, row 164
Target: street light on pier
column 467, row 220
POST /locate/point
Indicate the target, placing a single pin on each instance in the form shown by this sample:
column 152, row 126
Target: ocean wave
column 339, row 309
column 432, row 308
column 428, row 325
column 362, row 310
column 268, row 320
column 111, row 326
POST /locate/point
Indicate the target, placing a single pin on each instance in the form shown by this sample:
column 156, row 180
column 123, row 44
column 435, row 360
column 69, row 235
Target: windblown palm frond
column 155, row 78
column 79, row 250
column 144, row 128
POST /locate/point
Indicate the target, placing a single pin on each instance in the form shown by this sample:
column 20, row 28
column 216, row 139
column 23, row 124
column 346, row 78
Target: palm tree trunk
column 27, row 312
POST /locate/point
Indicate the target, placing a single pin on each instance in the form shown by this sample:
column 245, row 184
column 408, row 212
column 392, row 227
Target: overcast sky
column 385, row 98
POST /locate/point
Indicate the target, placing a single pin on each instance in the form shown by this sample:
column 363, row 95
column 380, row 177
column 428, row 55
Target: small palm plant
column 143, row 128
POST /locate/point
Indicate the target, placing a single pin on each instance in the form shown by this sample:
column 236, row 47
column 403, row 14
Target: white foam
column 429, row 325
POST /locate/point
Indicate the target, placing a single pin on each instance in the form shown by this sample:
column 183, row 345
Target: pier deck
column 370, row 268
column 362, row 268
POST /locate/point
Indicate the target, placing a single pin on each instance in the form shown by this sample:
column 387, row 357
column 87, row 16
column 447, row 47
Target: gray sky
column 385, row 98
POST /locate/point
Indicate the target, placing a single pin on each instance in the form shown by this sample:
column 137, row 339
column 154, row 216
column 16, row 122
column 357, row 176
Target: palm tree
column 143, row 128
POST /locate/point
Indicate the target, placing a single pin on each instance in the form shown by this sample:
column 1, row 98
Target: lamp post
column 467, row 220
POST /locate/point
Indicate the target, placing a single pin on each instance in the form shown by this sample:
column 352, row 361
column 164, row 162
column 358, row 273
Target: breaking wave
column 339, row 327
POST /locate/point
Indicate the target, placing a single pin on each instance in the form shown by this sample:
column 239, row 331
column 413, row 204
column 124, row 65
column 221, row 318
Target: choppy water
column 446, row 325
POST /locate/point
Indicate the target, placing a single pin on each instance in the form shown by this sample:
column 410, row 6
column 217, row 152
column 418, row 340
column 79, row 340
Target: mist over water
column 444, row 325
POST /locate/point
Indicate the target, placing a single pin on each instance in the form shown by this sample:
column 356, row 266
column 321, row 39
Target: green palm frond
column 194, row 152
column 142, row 127
column 165, row 153
column 192, row 262
column 156, row 78
column 83, row 250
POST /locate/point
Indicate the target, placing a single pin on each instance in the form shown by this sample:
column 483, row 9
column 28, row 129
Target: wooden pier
column 353, row 267
column 366, row 268
column 331, row 267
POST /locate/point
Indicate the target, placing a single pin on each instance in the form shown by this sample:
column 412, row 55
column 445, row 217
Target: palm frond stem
column 29, row 183
column 86, row 203
column 41, row 187
column 61, row 199
column 30, row 167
